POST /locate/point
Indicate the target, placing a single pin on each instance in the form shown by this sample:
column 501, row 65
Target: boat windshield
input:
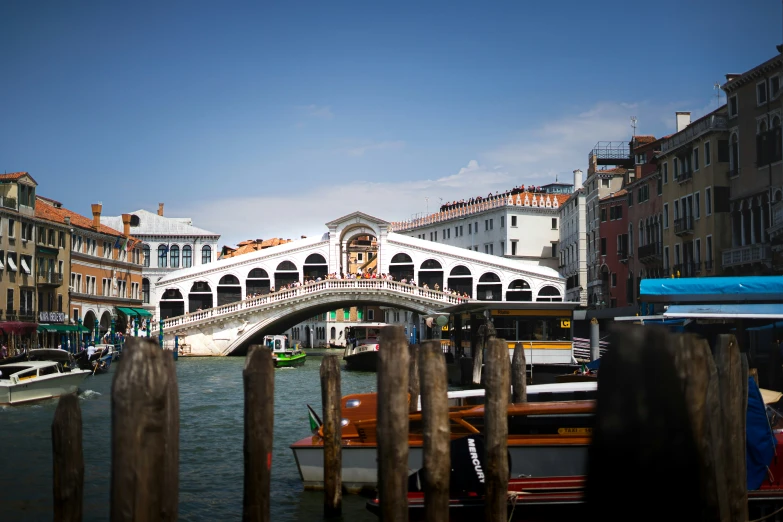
column 364, row 334
column 276, row 343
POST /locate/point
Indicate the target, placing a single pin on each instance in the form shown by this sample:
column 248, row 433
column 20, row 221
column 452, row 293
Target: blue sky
column 266, row 121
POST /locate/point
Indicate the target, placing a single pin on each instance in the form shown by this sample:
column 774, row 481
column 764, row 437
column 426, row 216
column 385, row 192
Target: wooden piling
column 519, row 374
column 485, row 332
column 436, row 431
column 414, row 387
column 259, row 382
column 393, row 369
column 145, row 434
column 332, row 416
column 496, row 469
column 68, row 460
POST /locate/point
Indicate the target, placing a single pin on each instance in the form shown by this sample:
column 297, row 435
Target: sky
column 269, row 119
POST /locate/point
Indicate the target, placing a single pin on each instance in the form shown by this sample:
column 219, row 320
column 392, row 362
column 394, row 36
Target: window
column 603, row 246
column 666, row 257
column 665, row 172
column 490, row 224
column 676, row 209
column 630, row 198
column 486, row 249
column 708, row 252
column 162, row 256
column 696, row 158
column 513, row 248
column 9, row 300
column 11, row 228
column 676, row 164
column 708, row 200
column 605, row 183
column 677, row 254
column 614, row 279
column 486, row 225
column 761, row 92
column 707, row 154
column 554, row 223
column 61, row 240
column 603, row 214
column 513, row 221
column 146, row 250
column 697, row 205
column 346, row 314
column 733, row 106
column 206, row 252
column 697, row 251
column 665, row 215
column 660, row 185
column 470, row 228
column 174, row 256
column 502, row 221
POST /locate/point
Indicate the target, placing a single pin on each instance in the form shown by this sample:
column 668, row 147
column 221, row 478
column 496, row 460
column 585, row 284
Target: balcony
column 684, row 176
column 691, row 132
column 10, row 315
column 51, row 279
column 27, row 316
column 683, row 226
column 622, row 254
column 650, row 253
column 746, row 255
column 7, row 202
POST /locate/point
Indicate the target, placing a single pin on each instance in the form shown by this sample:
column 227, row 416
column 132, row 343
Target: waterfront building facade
column 168, row 245
column 755, row 151
column 613, row 250
column 572, row 246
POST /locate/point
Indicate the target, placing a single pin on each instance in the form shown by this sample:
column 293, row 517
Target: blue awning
column 770, row 311
column 712, row 289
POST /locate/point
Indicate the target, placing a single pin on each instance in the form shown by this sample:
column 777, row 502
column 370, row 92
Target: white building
column 169, row 244
column 522, row 226
column 573, row 243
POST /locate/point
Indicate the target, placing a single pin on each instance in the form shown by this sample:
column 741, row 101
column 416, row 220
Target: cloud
column 260, row 217
column 317, row 111
column 359, row 150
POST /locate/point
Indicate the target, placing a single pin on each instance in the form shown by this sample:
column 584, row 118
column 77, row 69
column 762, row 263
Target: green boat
column 282, row 353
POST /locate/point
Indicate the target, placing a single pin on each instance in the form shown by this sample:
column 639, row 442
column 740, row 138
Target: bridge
column 223, row 307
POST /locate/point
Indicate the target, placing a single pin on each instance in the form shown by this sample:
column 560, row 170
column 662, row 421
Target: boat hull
column 362, row 361
column 360, row 462
column 42, row 388
column 289, row 362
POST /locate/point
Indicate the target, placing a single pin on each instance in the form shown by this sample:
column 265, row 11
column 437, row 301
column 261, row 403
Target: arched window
column 401, row 267
column 228, row 280
column 489, row 277
column 145, row 290
column 257, row 282
column 174, row 256
column 286, row 265
column 229, row 290
column 187, row 256
column 315, row 259
column 401, row 258
column 206, row 254
column 258, row 273
column 200, row 296
column 333, row 333
column 489, row 288
column 162, row 257
column 431, row 264
column 460, row 270
column 519, row 290
column 146, row 250
column 549, row 293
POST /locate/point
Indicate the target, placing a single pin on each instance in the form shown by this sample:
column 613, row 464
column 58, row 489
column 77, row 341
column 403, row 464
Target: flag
column 124, row 243
column 117, row 243
column 130, row 245
column 315, row 422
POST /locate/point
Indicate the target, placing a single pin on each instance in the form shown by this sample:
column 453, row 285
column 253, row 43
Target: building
column 609, row 165
column 329, row 329
column 572, row 247
column 695, row 180
column 613, row 210
column 105, row 271
column 250, row 245
column 519, row 224
column 168, row 244
column 755, row 154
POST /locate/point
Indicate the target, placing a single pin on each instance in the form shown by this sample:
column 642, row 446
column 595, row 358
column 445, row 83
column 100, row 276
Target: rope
column 767, row 516
column 512, row 496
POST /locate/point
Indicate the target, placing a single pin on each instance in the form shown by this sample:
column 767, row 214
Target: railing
column 7, row 202
column 622, row 254
column 27, row 316
column 310, row 289
column 650, row 252
column 50, row 278
column 694, row 130
column 684, row 176
column 709, row 264
column 745, row 255
column 683, row 225
column 10, row 315
column 522, row 199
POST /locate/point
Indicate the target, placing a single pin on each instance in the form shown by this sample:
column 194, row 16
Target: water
column 211, row 437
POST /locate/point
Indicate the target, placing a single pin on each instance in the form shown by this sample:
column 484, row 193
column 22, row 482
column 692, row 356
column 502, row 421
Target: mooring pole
column 332, row 416
column 435, row 420
column 259, row 382
column 497, row 386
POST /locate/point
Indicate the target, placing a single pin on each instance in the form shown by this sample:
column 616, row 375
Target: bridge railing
column 307, row 289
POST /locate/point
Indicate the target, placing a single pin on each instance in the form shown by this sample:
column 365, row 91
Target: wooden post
column 435, row 418
column 413, row 378
column 259, row 380
column 393, row 424
column 485, row 332
column 519, row 374
column 68, row 460
column 332, row 417
column 733, row 398
column 496, row 425
column 145, row 435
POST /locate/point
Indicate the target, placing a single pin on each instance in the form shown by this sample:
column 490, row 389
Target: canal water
column 211, row 437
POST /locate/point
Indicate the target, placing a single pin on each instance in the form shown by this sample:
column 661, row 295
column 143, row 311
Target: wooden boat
column 282, row 353
column 545, row 439
column 361, row 350
column 28, row 381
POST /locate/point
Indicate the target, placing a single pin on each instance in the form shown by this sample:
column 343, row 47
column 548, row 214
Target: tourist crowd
column 451, row 205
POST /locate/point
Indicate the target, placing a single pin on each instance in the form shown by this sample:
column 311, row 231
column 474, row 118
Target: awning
column 726, row 311
column 47, row 250
column 130, row 312
column 11, row 264
column 61, row 328
column 17, row 327
column 141, row 312
column 25, row 268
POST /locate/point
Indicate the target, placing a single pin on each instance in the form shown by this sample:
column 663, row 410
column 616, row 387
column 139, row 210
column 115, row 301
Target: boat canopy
column 712, row 289
column 726, row 311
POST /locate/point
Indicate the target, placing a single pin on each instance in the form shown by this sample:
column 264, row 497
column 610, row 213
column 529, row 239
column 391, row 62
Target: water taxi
column 361, row 348
column 28, row 381
column 282, row 353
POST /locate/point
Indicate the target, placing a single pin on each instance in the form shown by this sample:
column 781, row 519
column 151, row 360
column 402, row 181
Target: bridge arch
column 519, row 290
column 549, row 293
column 401, row 266
column 286, row 273
column 489, row 287
column 172, row 303
column 229, row 290
column 257, row 282
column 430, row 273
column 200, row 297
column 461, row 279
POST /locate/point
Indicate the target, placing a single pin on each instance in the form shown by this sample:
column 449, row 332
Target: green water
column 211, row 436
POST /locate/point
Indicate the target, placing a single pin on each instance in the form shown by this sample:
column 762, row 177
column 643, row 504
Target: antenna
column 427, row 199
column 633, row 124
column 716, row 86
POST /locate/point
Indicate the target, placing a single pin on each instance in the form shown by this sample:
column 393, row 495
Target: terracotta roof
column 252, row 245
column 15, row 176
column 613, row 170
column 621, row 192
column 643, row 139
column 44, row 210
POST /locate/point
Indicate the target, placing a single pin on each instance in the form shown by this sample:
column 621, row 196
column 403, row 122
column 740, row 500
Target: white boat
column 361, row 349
column 29, row 381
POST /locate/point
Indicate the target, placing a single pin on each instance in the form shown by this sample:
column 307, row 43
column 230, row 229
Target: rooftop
column 151, row 224
column 47, row 211
column 251, row 245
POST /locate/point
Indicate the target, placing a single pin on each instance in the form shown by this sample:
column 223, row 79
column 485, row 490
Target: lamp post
column 148, row 328
column 113, row 327
column 79, row 332
column 160, row 331
column 97, row 334
column 135, row 327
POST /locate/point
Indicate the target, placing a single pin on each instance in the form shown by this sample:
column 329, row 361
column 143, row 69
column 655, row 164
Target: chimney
column 67, row 221
column 577, row 179
column 683, row 120
column 96, row 215
column 126, row 219
column 160, row 209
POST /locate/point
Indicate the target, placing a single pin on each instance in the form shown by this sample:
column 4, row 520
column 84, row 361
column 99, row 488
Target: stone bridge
column 246, row 308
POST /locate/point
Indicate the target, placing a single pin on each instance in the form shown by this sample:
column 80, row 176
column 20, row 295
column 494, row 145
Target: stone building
column 572, row 247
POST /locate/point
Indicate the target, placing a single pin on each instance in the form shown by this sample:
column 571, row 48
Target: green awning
column 142, row 312
column 61, row 328
column 130, row 312
column 47, row 250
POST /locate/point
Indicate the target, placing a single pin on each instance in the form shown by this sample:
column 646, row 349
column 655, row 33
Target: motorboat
column 361, row 348
column 283, row 354
column 41, row 354
column 28, row 381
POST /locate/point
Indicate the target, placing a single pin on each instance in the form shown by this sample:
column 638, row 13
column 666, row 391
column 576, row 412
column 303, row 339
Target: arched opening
column 461, row 280
column 286, row 274
column 145, row 290
column 162, row 257
column 174, row 256
column 361, row 254
column 229, row 290
column 307, row 337
column 206, row 254
column 489, row 287
column 549, row 293
column 519, row 290
column 431, row 274
column 257, row 282
column 200, row 297
column 172, row 304
column 187, row 256
column 146, row 251
column 332, row 334
column 89, row 323
column 105, row 325
column 315, row 266
column 401, row 267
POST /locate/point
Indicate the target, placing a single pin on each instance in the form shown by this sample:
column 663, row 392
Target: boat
column 282, row 354
column 361, row 349
column 546, row 437
column 41, row 354
column 28, row 381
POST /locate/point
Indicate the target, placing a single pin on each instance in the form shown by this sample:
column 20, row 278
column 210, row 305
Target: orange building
column 105, row 271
